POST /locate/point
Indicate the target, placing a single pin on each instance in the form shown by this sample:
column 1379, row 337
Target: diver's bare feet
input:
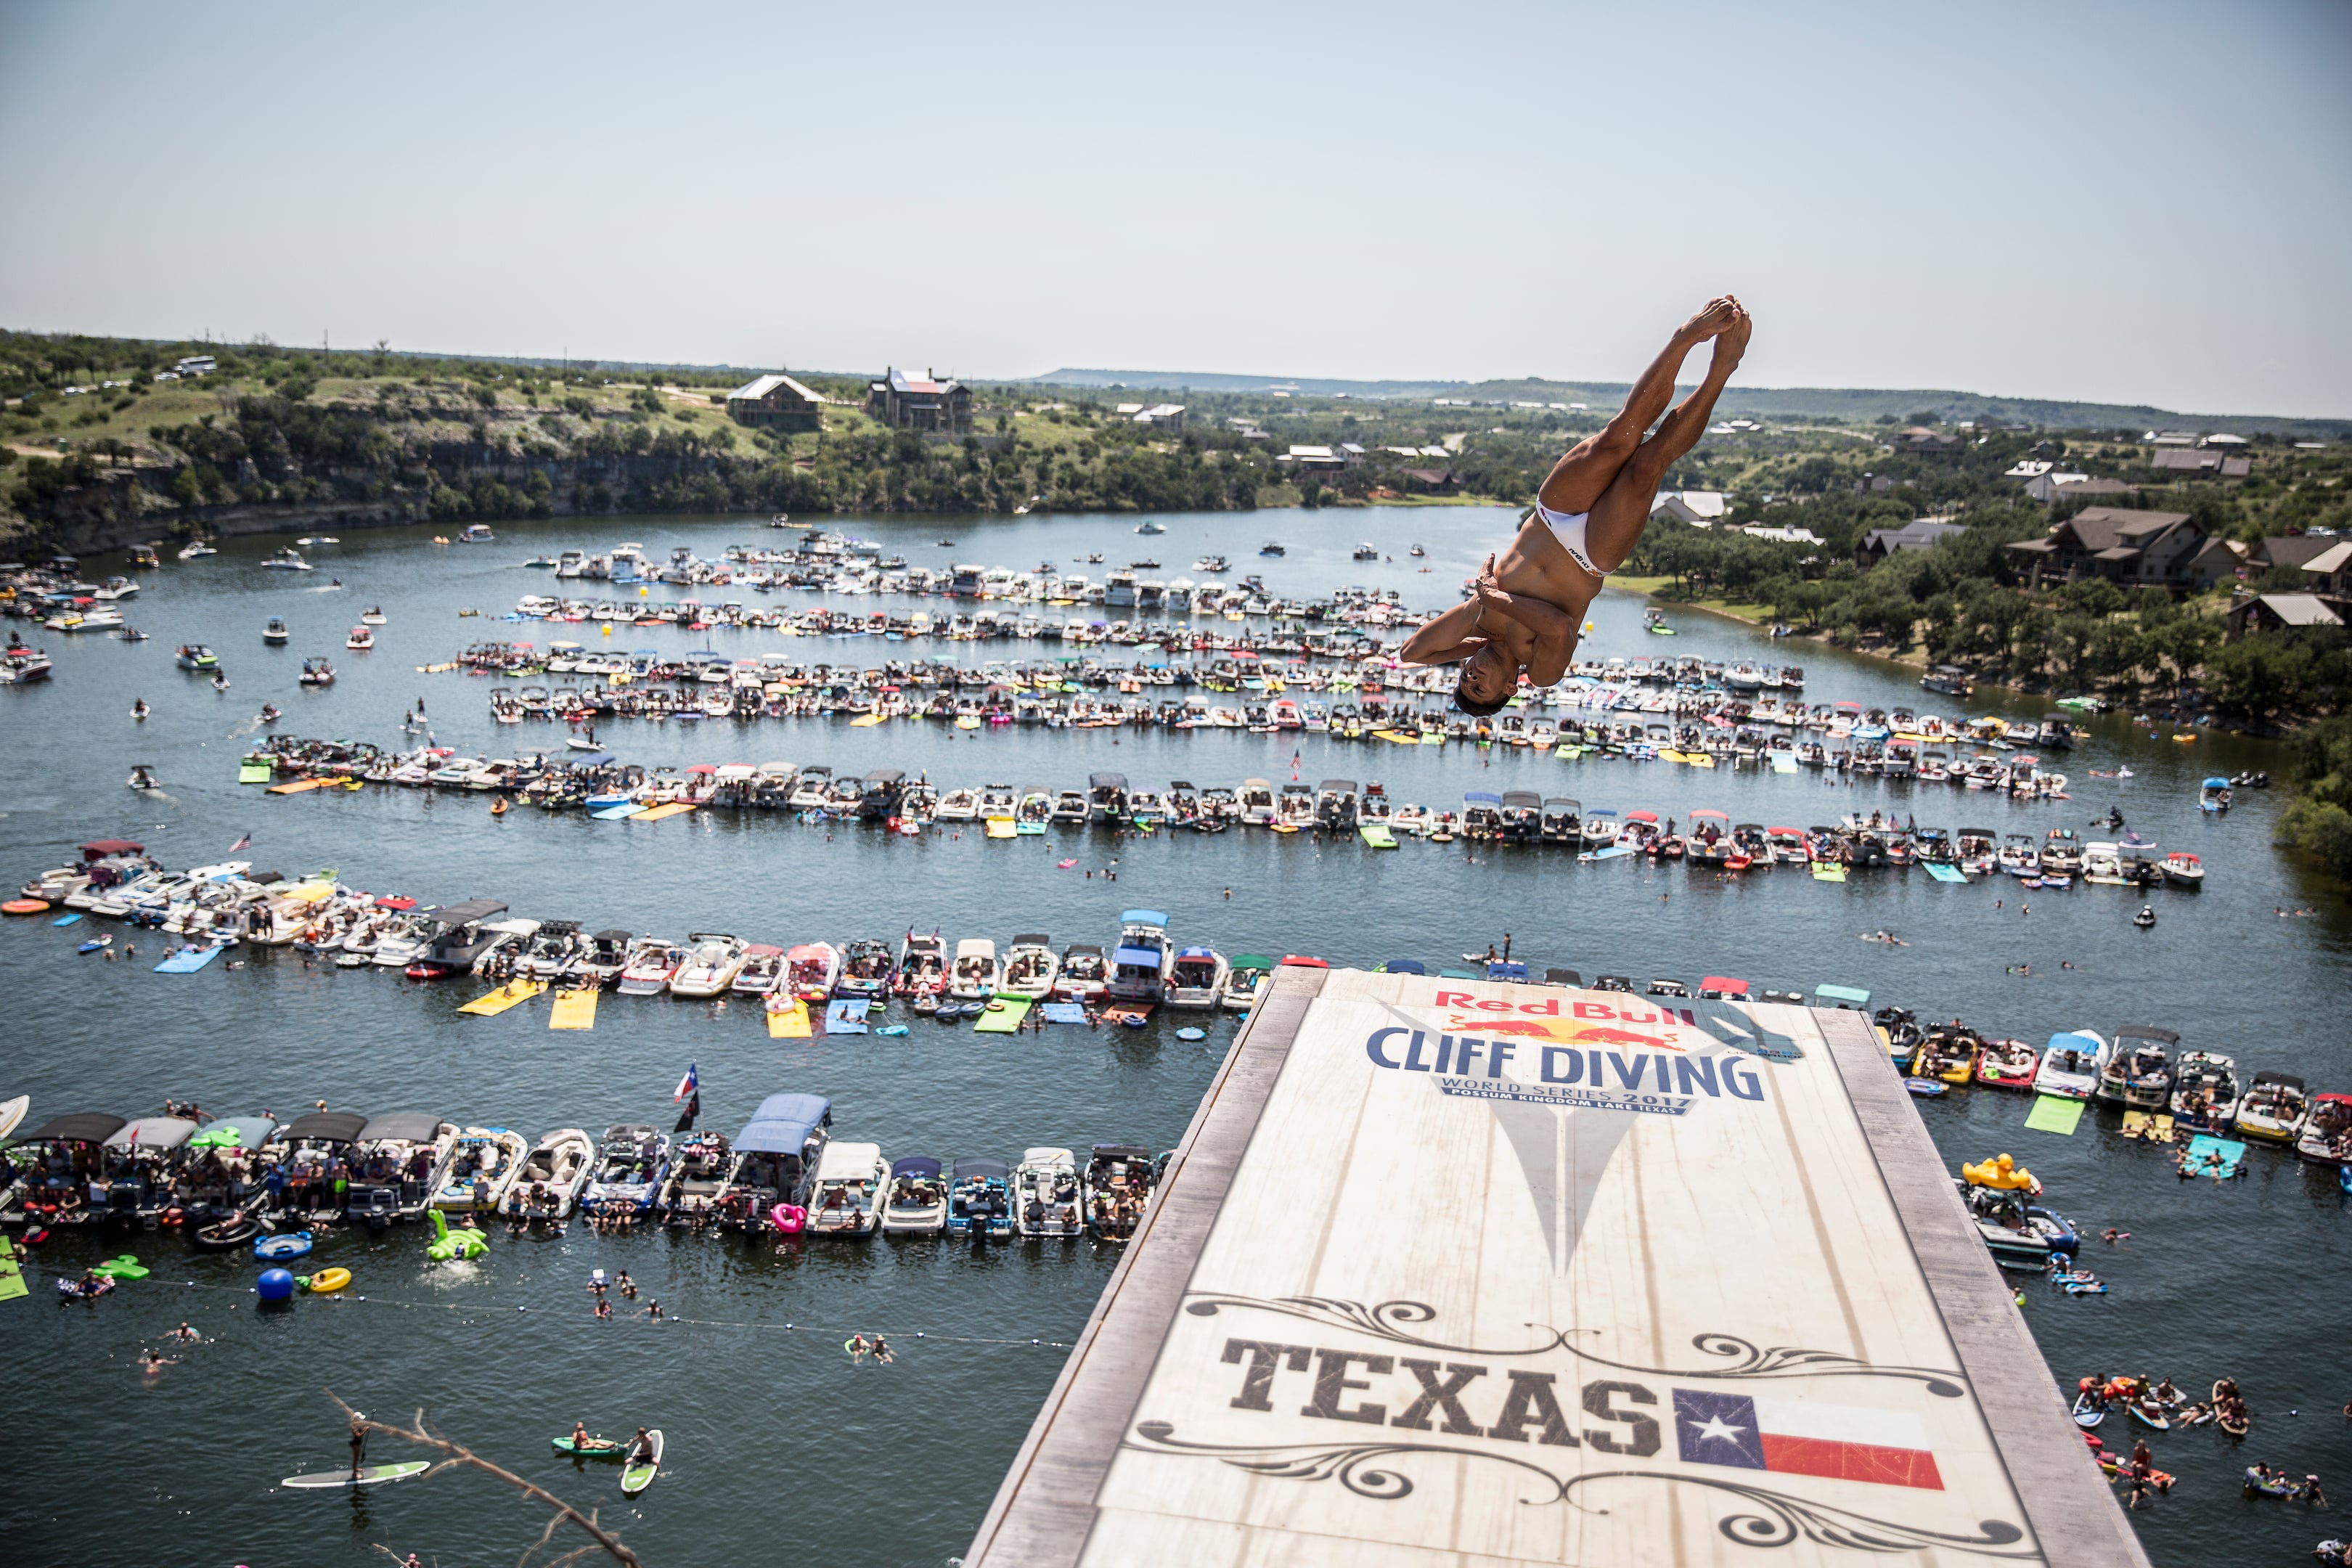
column 1713, row 320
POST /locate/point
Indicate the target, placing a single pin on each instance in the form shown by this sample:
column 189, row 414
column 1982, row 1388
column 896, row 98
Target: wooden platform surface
column 1472, row 1273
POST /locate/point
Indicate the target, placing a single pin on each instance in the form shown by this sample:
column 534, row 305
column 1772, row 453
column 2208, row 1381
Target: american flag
column 244, row 842
column 689, row 1084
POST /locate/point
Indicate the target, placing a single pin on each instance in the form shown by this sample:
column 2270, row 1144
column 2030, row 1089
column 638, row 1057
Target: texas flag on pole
column 1801, row 1438
column 689, row 1084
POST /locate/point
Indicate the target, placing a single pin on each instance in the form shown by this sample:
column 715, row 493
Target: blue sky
column 2148, row 203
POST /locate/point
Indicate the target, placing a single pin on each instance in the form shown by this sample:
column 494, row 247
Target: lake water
column 778, row 1444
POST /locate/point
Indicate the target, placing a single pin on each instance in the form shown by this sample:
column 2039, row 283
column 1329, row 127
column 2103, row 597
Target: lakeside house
column 1922, row 442
column 2203, row 461
column 1158, row 416
column 2051, row 488
column 2280, row 612
column 2329, row 573
column 1924, row 533
column 2288, row 550
column 1431, row 482
column 2130, row 548
column 1700, row 508
column 1782, row 535
column 1314, row 457
column 929, row 404
column 775, row 402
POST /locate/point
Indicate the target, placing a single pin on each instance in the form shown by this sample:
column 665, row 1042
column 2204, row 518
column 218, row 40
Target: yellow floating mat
column 299, row 785
column 675, row 808
column 1000, row 827
column 867, row 720
column 1699, row 759
column 789, row 1022
column 2140, row 1124
column 1398, row 737
column 504, row 997
column 574, row 1010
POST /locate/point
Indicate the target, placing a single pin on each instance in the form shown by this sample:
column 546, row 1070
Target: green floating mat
column 2052, row 1114
column 1003, row 1020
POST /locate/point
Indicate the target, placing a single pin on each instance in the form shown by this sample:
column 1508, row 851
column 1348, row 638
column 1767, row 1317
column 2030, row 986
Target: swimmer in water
column 154, row 1363
column 184, row 1334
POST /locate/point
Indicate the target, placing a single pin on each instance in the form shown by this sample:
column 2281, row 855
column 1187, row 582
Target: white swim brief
column 1569, row 529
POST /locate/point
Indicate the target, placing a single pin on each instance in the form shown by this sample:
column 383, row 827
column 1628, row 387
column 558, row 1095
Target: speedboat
column 776, row 1157
column 1143, row 961
column 552, row 1177
column 1117, row 1188
column 980, row 1199
column 373, row 616
column 2183, row 870
column 977, row 973
column 1084, row 975
column 604, row 956
column 922, row 966
column 287, row 560
column 398, row 1167
column 1246, row 978
column 2274, row 1109
column 2135, row 1071
column 651, row 961
column 483, row 1165
column 2019, row 1234
column 917, row 1203
column 2008, row 1064
column 853, row 1181
column 810, row 969
column 2205, row 1090
column 1198, row 979
column 317, row 671
column 1946, row 1054
column 1031, row 967
column 631, row 1164
column 197, row 656
column 713, row 959
column 1045, row 1196
column 762, row 971
column 866, row 967
column 699, row 1165
column 360, row 639
column 274, row 631
column 2070, row 1066
column 2326, row 1135
column 554, row 950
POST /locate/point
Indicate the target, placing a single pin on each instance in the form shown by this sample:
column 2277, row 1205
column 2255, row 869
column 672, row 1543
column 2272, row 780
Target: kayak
column 640, row 1473
column 368, row 1476
column 598, row 1448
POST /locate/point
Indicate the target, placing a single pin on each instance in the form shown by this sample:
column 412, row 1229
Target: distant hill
column 1850, row 404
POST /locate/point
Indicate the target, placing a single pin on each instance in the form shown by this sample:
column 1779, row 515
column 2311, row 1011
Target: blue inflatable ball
column 274, row 1285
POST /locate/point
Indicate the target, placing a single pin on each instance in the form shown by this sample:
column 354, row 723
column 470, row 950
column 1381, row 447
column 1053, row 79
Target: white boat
column 362, row 638
column 2134, row 1070
column 1084, row 976
column 2205, row 1089
column 917, row 1202
column 630, row 1165
column 811, row 971
column 1031, row 967
column 762, row 971
column 713, row 959
column 1143, row 961
column 958, row 805
column 1197, row 980
column 287, row 560
column 1046, row 1197
column 2070, row 1066
column 397, row 1165
column 2274, row 1109
column 553, row 1175
column 1247, row 977
column 483, row 1165
column 848, row 1197
column 976, row 974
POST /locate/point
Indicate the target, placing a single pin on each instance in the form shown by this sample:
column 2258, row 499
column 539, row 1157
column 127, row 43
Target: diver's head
column 1488, row 680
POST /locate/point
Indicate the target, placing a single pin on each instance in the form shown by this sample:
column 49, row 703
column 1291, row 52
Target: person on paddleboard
column 641, row 1451
column 1528, row 604
column 359, row 1444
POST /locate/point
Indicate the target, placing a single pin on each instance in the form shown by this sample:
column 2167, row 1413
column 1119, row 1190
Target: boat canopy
column 616, row 935
column 1106, row 781
column 1033, row 939
column 401, row 1127
column 1139, row 957
column 783, row 1124
column 922, row 1165
column 1331, row 786
column 1406, row 966
column 1303, row 961
column 1251, row 962
column 1563, row 977
column 2283, row 1080
column 1197, row 953
column 2076, row 1040
column 235, row 1132
column 99, row 849
column 77, row 1127
column 883, row 778
column 1522, row 799
column 981, row 1168
column 449, row 917
column 1142, row 918
column 1482, row 797
column 629, row 1132
column 594, row 759
column 2144, row 1032
column 1120, row 1151
column 975, row 947
column 153, row 1132
column 1846, row 995
column 847, row 1162
column 1723, row 985
column 1048, row 1157
column 2217, row 784
column 327, row 1126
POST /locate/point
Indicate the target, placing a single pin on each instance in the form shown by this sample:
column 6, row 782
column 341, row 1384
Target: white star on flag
column 1716, row 1426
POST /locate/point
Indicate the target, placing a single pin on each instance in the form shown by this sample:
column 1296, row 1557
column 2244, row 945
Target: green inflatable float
column 448, row 1246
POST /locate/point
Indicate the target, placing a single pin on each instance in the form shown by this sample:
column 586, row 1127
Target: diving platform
column 1474, row 1273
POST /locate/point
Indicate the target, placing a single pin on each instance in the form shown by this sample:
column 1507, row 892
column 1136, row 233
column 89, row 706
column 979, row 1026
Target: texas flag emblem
column 1793, row 1436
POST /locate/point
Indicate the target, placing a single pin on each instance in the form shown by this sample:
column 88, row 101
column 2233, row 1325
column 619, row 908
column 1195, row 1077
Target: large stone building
column 905, row 402
column 774, row 403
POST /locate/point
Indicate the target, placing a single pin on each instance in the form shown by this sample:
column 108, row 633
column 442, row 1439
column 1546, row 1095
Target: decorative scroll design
column 1779, row 1519
column 1394, row 1322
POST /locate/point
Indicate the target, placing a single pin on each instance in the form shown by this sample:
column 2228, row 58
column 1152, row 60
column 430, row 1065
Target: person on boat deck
column 1530, row 602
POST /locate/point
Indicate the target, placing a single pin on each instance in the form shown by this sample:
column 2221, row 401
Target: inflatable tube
column 123, row 1267
column 274, row 1285
column 327, row 1280
column 279, row 1246
column 25, row 907
column 226, row 1236
column 788, row 1218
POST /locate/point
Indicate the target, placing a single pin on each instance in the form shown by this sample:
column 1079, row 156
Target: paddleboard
column 298, row 786
column 67, row 920
column 641, row 1472
column 574, row 1010
column 1613, row 851
column 188, row 963
column 368, row 1476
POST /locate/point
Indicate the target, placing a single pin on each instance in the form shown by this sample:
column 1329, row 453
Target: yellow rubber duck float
column 2002, row 1173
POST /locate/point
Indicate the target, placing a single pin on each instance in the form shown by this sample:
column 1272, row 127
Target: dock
column 1465, row 1272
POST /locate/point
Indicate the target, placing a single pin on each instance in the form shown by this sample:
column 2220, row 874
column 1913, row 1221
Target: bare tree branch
column 458, row 1454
